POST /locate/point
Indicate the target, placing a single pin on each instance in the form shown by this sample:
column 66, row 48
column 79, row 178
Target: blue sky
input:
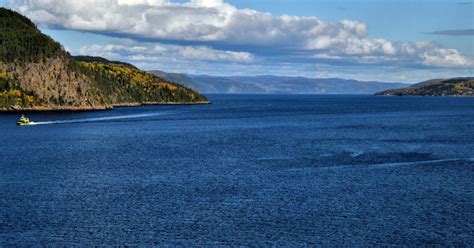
column 389, row 40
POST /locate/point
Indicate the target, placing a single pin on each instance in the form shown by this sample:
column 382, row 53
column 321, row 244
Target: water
column 246, row 170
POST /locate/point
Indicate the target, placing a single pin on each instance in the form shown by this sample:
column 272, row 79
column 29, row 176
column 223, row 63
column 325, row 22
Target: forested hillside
column 20, row 40
column 124, row 83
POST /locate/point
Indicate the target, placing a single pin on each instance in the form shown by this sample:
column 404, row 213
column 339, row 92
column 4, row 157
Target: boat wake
column 98, row 119
column 392, row 165
column 399, row 164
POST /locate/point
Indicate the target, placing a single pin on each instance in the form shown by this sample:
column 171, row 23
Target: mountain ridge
column 270, row 84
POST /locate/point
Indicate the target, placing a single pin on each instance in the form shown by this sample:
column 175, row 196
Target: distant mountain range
column 276, row 84
column 463, row 86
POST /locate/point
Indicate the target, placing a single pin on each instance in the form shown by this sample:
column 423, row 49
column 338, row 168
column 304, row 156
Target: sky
column 385, row 40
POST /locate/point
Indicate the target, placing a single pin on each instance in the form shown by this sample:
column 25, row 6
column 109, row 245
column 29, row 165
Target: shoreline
column 159, row 103
column 98, row 108
column 389, row 95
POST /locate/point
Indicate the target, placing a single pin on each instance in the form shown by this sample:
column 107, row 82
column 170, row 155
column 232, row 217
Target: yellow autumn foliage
column 16, row 93
column 11, row 93
column 4, row 75
column 172, row 87
column 136, row 76
column 29, row 98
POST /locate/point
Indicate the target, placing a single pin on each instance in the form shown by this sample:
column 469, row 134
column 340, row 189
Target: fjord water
column 246, row 170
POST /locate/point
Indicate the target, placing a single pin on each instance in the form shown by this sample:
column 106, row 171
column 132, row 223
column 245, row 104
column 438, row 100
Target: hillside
column 124, row 84
column 36, row 73
column 436, row 87
column 276, row 84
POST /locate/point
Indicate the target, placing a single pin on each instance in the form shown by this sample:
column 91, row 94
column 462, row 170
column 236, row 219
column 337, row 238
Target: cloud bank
column 141, row 51
column 212, row 30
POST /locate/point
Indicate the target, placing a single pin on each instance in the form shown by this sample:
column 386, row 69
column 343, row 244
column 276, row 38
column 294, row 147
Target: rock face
column 50, row 84
column 37, row 74
column 463, row 86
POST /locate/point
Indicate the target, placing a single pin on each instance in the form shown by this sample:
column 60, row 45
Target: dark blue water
column 246, row 170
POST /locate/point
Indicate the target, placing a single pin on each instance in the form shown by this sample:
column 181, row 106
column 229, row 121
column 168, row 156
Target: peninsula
column 463, row 86
column 37, row 74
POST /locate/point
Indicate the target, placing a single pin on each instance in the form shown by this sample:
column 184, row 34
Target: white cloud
column 444, row 58
column 148, row 52
column 205, row 53
column 214, row 23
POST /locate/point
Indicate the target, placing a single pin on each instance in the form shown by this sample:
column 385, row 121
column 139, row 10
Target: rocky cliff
column 49, row 84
